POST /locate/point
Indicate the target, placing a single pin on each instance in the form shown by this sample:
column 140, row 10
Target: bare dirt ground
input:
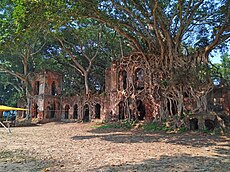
column 82, row 147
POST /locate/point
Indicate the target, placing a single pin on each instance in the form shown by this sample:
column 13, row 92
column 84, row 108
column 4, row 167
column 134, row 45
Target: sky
column 217, row 55
column 216, row 58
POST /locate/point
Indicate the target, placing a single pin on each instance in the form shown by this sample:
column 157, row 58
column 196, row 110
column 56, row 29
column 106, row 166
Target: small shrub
column 123, row 124
column 128, row 124
column 182, row 129
column 151, row 127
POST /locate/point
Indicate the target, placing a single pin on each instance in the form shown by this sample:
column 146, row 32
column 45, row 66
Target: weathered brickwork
column 125, row 96
column 47, row 102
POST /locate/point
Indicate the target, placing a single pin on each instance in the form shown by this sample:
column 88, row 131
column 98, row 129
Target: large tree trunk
column 86, row 83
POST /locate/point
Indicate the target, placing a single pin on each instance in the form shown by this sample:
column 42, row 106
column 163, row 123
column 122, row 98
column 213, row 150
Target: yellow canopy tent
column 6, row 108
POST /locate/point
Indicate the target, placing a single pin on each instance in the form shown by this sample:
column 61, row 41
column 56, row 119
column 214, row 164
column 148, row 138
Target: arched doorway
column 97, row 111
column 121, row 107
column 140, row 110
column 67, row 111
column 75, row 111
column 86, row 113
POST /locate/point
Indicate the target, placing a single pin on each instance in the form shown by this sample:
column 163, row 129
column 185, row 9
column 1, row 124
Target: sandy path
column 81, row 147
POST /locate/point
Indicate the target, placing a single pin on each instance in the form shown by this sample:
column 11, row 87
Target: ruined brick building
column 123, row 79
column 47, row 102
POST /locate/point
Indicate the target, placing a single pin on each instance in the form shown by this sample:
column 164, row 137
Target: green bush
column 123, row 124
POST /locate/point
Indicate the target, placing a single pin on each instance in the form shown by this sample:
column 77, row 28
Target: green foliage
column 151, row 127
column 10, row 91
column 124, row 26
column 182, row 129
column 155, row 126
column 163, row 126
column 220, row 72
column 118, row 125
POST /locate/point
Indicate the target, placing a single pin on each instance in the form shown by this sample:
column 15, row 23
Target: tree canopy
column 173, row 37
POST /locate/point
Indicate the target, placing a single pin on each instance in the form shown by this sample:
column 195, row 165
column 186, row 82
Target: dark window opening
column 140, row 110
column 86, row 113
column 37, row 88
column 75, row 109
column 139, row 79
column 97, row 111
column 67, row 111
column 122, row 80
column 185, row 94
column 209, row 124
column 172, row 108
column 124, row 75
column 193, row 124
column 121, row 110
column 53, row 89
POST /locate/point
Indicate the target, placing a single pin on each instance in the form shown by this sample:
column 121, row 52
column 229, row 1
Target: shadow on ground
column 188, row 139
column 20, row 160
column 183, row 162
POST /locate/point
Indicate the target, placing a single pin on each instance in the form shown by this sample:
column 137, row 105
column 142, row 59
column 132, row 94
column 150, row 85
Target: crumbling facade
column 47, row 102
column 126, row 96
column 126, row 91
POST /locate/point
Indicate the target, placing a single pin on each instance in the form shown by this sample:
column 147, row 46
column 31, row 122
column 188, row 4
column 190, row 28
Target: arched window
column 53, row 89
column 75, row 113
column 86, row 113
column 122, row 80
column 97, row 111
column 67, row 111
column 139, row 79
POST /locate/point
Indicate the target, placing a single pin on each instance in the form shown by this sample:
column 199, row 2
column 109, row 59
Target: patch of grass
column 156, row 126
column 118, row 125
column 128, row 124
column 182, row 129
column 151, row 127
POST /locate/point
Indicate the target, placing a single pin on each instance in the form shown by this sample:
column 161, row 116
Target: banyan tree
column 173, row 40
